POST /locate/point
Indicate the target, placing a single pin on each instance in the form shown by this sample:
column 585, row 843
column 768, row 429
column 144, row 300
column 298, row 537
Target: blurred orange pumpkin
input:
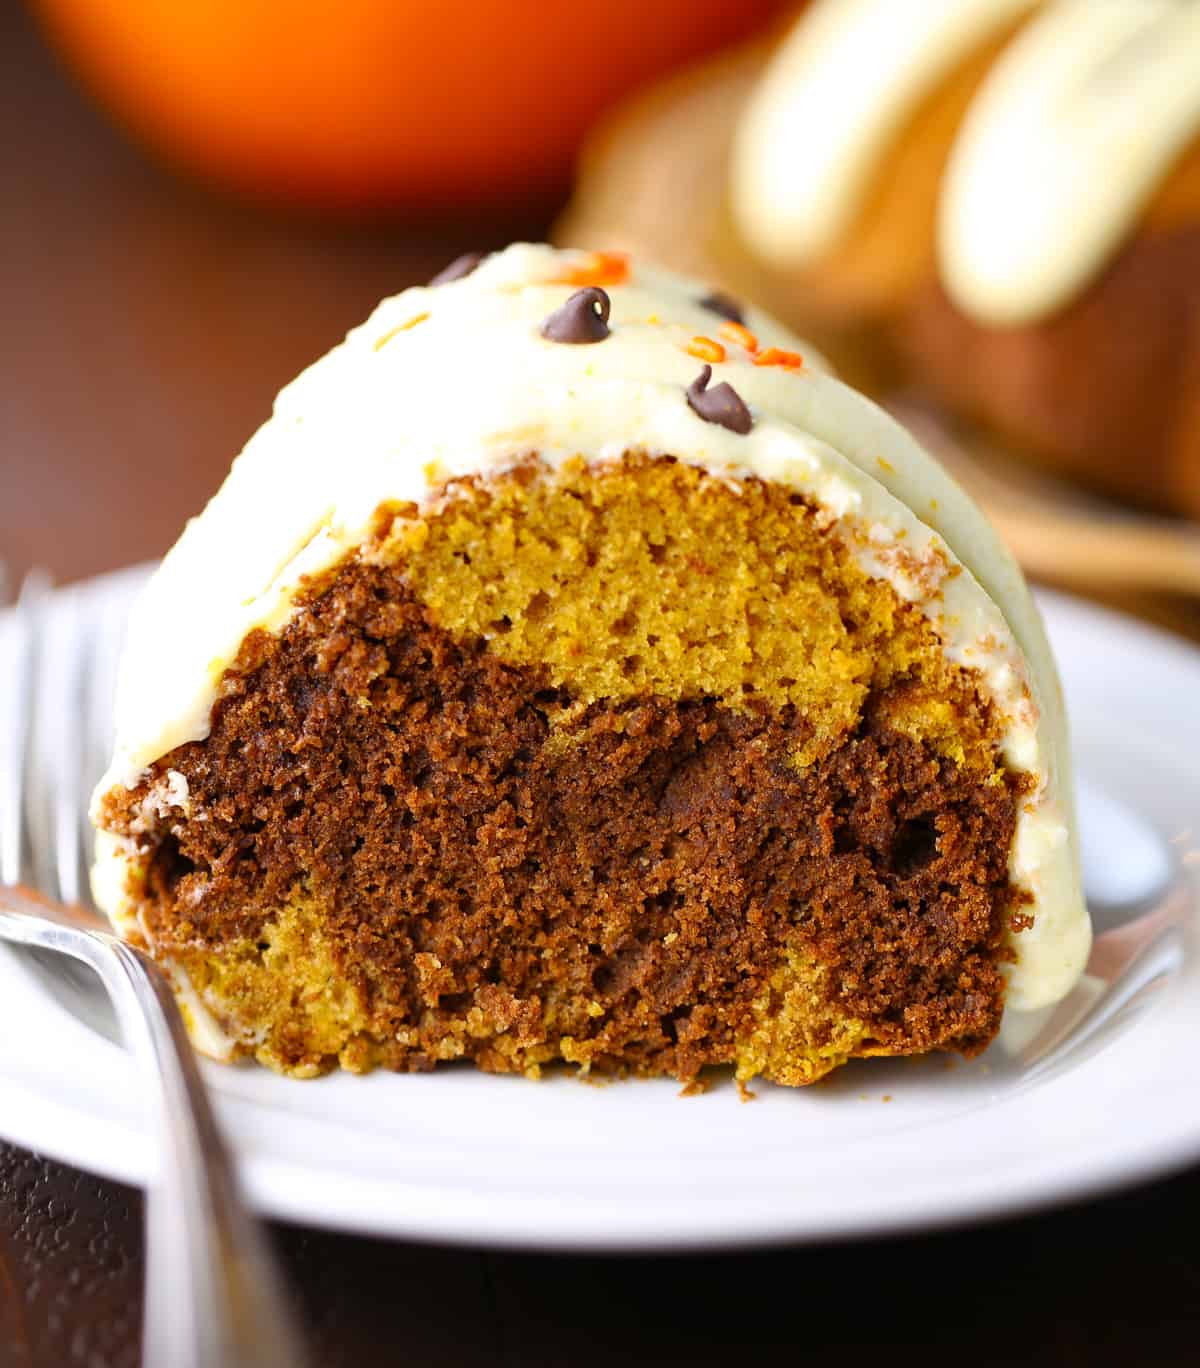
column 374, row 104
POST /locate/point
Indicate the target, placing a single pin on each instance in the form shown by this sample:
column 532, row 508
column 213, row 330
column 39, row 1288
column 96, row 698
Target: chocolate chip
column 722, row 404
column 583, row 318
column 459, row 267
column 724, row 305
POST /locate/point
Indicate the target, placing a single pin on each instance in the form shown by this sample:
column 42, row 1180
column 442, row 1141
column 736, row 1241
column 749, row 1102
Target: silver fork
column 213, row 1296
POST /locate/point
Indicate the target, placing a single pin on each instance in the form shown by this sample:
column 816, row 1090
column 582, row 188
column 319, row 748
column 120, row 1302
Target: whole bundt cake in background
column 1008, row 192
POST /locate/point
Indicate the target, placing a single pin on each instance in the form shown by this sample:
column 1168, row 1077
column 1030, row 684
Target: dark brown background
column 144, row 327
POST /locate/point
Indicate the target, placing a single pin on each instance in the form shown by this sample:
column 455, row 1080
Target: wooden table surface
column 145, row 327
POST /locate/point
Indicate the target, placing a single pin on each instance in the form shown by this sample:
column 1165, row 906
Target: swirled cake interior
column 626, row 766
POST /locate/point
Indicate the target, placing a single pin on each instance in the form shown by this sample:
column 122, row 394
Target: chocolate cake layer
column 397, row 848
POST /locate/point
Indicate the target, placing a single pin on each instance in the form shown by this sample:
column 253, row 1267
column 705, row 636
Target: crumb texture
column 632, row 769
column 653, row 577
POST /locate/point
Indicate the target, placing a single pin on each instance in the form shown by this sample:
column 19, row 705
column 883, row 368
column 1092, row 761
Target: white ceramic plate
column 1105, row 1092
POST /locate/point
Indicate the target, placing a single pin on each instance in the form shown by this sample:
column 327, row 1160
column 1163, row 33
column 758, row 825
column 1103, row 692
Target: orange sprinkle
column 404, row 327
column 706, row 349
column 776, row 356
column 734, row 332
column 601, row 268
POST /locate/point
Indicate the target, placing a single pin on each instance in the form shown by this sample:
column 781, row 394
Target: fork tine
column 12, row 735
column 70, row 789
column 105, row 617
column 54, row 785
column 37, row 782
column 19, row 646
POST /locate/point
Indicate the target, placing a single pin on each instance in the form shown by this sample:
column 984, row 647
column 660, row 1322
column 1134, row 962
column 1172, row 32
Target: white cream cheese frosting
column 457, row 379
column 837, row 92
column 1073, row 128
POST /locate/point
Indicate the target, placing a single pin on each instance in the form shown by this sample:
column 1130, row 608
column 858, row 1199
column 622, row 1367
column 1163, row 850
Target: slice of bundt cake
column 571, row 671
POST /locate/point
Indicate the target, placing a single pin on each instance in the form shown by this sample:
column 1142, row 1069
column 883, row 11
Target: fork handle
column 213, row 1296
